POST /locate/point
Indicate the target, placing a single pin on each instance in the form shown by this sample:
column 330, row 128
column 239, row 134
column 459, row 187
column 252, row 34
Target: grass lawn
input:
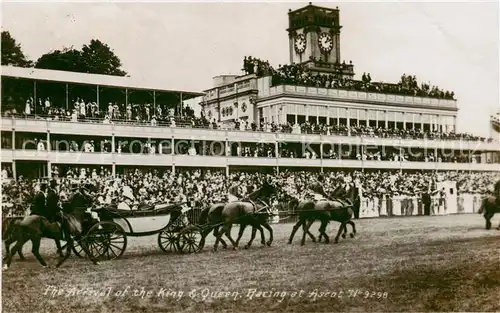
column 445, row 263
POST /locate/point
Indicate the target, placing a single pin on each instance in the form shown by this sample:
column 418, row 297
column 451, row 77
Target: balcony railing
column 233, row 89
column 99, row 158
column 340, row 94
column 134, row 130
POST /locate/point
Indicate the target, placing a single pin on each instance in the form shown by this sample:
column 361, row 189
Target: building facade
column 314, row 36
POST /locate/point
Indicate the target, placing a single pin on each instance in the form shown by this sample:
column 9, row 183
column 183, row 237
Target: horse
column 326, row 211
column 209, row 220
column 489, row 206
column 244, row 212
column 8, row 227
column 36, row 227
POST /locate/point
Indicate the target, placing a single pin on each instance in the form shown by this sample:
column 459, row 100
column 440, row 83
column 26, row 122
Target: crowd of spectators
column 362, row 130
column 142, row 116
column 90, row 111
column 200, row 188
column 249, row 149
column 299, row 74
column 163, row 115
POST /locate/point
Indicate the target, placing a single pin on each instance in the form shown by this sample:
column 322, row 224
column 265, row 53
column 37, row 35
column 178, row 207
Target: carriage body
column 106, row 235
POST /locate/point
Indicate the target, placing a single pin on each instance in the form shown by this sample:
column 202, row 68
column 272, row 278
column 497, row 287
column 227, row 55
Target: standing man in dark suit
column 426, row 201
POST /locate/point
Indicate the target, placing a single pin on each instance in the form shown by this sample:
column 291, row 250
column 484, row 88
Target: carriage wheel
column 168, row 240
column 189, row 240
column 105, row 241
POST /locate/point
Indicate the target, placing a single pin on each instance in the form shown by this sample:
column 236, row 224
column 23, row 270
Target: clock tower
column 314, row 37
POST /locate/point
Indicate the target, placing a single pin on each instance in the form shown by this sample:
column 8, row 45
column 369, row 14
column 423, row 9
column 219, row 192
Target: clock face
column 300, row 43
column 325, row 42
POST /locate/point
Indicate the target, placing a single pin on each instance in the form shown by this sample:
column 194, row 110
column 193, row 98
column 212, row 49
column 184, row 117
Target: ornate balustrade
column 221, row 135
column 63, row 157
column 352, row 95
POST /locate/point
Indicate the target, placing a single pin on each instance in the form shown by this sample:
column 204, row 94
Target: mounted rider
column 52, row 208
column 38, row 204
column 78, row 198
column 318, row 190
column 234, row 192
column 341, row 192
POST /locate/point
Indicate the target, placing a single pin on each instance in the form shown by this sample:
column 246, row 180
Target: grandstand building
column 88, row 120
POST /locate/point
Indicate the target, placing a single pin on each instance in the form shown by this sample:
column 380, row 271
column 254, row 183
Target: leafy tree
column 12, row 53
column 68, row 59
column 98, row 58
column 95, row 58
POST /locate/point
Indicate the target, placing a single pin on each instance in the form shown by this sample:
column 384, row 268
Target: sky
column 454, row 45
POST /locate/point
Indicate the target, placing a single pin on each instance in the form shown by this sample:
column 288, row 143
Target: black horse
column 251, row 210
column 489, row 207
column 341, row 211
column 211, row 219
column 35, row 227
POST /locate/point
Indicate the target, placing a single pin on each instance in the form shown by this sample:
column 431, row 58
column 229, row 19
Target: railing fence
column 370, row 208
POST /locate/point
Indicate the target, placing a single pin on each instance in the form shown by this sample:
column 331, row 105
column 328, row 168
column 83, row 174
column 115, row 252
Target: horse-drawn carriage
column 106, row 236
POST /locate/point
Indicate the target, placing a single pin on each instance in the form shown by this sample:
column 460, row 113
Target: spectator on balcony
column 39, row 145
column 115, row 112
column 47, row 104
column 110, row 110
column 74, row 116
column 27, row 107
column 129, row 112
column 106, row 119
column 82, row 110
column 192, row 150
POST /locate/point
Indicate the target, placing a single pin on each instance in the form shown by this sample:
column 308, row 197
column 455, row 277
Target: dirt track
column 399, row 264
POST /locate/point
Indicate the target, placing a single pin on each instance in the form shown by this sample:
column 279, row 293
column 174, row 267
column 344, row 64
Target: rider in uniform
column 38, row 205
column 234, row 191
column 318, row 190
column 78, row 199
column 341, row 190
column 52, row 208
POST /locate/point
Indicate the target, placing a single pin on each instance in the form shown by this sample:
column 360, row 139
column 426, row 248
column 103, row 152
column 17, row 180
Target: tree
column 68, row 59
column 94, row 58
column 12, row 53
column 98, row 58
